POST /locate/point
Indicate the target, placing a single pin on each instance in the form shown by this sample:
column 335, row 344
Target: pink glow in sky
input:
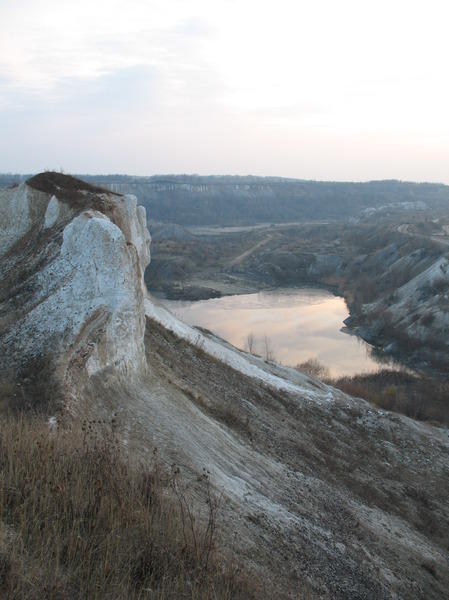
column 346, row 90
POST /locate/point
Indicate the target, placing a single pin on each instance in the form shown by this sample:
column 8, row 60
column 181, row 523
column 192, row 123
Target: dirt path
column 238, row 259
column 217, row 230
column 405, row 228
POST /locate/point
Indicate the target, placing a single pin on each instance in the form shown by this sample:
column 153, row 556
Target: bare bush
column 312, row 366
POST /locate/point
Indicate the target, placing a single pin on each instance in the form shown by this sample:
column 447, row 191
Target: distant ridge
column 247, row 200
column 233, row 200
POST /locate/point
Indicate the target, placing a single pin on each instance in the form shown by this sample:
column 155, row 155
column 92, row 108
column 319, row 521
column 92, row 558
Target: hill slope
column 321, row 494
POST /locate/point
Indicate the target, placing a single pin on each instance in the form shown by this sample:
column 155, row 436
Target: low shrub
column 312, row 366
column 421, row 398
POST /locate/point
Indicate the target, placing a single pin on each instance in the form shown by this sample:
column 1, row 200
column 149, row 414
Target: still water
column 299, row 324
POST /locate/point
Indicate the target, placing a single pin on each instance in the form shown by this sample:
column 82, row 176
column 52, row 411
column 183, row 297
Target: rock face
column 72, row 263
column 407, row 313
column 421, row 305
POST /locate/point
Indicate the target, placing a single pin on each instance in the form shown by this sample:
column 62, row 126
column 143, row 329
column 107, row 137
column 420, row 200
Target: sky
column 313, row 89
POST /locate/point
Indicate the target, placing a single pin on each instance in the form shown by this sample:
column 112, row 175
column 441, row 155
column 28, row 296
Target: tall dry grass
column 78, row 521
column 418, row 397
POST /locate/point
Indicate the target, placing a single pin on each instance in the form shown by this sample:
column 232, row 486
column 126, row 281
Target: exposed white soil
column 321, row 494
column 421, row 306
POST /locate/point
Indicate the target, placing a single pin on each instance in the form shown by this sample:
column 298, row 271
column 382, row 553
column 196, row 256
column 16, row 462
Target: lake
column 295, row 324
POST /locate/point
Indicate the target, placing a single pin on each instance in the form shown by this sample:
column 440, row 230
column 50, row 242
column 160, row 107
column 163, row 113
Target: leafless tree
column 250, row 342
column 268, row 349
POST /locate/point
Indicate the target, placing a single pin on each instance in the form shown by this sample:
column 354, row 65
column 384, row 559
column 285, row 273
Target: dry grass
column 420, row 398
column 77, row 521
column 312, row 366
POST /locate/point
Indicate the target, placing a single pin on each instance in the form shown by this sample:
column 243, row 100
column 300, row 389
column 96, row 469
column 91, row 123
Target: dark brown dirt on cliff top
column 70, row 190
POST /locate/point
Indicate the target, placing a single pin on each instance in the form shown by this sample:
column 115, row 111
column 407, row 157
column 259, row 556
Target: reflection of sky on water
column 300, row 324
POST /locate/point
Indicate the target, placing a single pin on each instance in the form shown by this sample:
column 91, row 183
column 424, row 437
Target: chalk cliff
column 72, row 291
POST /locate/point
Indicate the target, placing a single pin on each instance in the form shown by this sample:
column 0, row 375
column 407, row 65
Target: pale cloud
column 322, row 89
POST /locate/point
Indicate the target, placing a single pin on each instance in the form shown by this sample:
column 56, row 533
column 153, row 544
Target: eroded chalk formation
column 71, row 292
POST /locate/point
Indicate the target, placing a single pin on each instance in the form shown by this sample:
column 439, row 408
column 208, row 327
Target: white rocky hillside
column 425, row 299
column 321, row 495
column 419, row 308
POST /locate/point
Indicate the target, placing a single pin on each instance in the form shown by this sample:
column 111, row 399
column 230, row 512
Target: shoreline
column 381, row 361
column 387, row 349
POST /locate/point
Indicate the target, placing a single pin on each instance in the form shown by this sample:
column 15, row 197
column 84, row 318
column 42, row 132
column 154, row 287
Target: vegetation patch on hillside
column 77, row 520
column 420, row 398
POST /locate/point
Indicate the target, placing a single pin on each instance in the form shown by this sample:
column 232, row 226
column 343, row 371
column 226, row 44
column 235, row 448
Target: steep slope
column 397, row 288
column 324, row 492
column 422, row 304
column 321, row 495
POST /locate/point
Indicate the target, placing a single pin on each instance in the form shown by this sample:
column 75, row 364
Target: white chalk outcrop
column 17, row 213
column 73, row 258
column 420, row 305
